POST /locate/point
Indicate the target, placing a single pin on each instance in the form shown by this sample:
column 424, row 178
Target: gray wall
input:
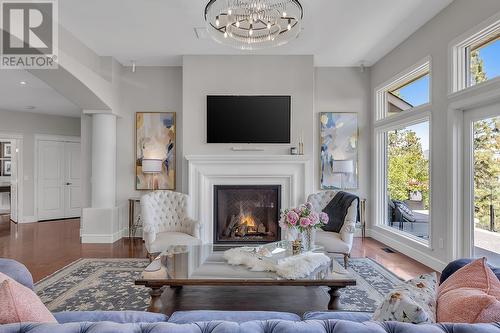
column 184, row 90
column 433, row 40
column 344, row 89
column 29, row 124
column 148, row 89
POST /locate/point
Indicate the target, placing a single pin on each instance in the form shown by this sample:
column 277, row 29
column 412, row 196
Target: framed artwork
column 7, row 150
column 338, row 150
column 155, row 142
column 7, row 168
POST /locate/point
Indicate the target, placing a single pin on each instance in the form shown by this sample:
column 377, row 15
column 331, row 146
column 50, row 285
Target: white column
column 103, row 160
column 100, row 222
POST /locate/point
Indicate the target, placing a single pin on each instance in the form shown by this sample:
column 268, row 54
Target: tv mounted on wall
column 248, row 119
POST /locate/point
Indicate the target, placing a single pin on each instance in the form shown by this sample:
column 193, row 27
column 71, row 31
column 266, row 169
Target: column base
column 100, row 225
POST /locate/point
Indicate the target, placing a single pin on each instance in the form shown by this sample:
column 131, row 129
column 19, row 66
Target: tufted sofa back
column 164, row 211
column 269, row 326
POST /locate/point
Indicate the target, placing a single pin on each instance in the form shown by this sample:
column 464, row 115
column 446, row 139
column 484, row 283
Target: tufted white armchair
column 335, row 242
column 166, row 222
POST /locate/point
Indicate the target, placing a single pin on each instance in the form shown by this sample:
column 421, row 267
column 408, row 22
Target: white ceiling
column 159, row 32
column 35, row 93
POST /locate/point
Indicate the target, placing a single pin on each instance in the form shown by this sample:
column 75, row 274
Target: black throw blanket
column 337, row 210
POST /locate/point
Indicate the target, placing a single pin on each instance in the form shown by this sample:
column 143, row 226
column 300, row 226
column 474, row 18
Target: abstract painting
column 7, row 168
column 339, row 150
column 7, row 150
column 155, row 140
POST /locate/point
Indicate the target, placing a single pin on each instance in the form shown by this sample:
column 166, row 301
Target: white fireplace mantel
column 292, row 172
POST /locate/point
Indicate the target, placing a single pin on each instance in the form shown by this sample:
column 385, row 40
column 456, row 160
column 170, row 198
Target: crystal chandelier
column 253, row 24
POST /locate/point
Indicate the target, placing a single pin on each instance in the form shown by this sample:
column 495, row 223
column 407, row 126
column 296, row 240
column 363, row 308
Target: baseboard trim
column 102, row 238
column 28, row 219
column 407, row 249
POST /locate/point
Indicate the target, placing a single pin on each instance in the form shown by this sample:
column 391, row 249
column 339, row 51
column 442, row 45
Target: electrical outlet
column 441, row 243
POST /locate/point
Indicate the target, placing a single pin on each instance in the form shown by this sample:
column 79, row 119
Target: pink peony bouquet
column 302, row 218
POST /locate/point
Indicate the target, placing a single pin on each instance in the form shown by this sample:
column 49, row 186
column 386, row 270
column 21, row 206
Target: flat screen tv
column 248, row 119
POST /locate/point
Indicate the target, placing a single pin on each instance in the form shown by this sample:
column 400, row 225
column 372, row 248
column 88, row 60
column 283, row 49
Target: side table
column 134, row 221
column 362, row 213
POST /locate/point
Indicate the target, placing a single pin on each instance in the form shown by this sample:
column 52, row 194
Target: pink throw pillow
column 20, row 304
column 470, row 295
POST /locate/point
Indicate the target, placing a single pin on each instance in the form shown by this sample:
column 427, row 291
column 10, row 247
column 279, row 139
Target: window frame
column 382, row 125
column 409, row 75
column 460, row 50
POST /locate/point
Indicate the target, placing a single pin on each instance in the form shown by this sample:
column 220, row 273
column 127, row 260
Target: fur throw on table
column 294, row 267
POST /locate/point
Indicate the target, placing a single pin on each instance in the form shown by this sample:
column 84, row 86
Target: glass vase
column 292, row 234
column 307, row 240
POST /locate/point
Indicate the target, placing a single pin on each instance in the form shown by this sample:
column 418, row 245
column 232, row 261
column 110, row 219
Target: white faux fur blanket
column 295, row 267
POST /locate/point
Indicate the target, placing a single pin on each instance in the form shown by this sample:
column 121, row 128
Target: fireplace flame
column 248, row 221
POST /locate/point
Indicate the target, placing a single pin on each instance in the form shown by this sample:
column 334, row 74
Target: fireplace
column 246, row 213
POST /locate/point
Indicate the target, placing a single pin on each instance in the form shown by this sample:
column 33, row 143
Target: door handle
column 69, row 184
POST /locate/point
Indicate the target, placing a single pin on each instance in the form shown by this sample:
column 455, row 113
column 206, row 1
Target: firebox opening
column 246, row 213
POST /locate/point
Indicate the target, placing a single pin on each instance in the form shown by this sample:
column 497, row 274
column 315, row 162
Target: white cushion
column 332, row 242
column 165, row 239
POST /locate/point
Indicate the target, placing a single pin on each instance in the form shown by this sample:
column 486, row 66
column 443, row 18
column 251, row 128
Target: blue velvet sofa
column 223, row 321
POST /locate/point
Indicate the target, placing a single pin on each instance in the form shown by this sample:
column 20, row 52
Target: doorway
column 58, row 177
column 482, row 182
column 10, row 172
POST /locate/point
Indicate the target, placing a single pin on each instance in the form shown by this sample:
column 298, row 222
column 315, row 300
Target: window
column 414, row 93
column 484, row 61
column 405, row 93
column 407, row 179
column 402, row 169
column 476, row 56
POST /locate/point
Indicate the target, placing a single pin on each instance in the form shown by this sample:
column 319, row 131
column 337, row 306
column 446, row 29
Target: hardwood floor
column 398, row 263
column 46, row 247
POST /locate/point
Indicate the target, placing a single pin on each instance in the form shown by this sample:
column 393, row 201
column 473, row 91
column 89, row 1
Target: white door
column 51, row 180
column 72, row 206
column 482, row 183
column 58, row 180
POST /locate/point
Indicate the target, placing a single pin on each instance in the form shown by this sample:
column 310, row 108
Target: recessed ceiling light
column 23, row 83
column 29, row 107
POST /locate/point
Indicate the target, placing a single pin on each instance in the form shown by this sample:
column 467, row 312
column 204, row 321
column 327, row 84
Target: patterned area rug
column 108, row 284
column 373, row 282
column 95, row 284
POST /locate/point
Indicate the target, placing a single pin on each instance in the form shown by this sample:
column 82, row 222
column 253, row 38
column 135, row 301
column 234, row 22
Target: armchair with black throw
column 343, row 212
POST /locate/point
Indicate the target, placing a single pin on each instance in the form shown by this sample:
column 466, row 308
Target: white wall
column 148, row 89
column 344, row 89
column 86, row 160
column 246, row 75
column 29, row 124
column 433, row 40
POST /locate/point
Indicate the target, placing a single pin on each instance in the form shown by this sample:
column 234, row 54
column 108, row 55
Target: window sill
column 408, row 115
column 406, row 236
column 495, row 83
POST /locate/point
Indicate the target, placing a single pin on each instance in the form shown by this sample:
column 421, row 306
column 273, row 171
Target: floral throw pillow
column 413, row 301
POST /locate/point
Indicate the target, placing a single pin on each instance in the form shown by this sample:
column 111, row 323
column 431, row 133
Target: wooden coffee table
column 204, row 265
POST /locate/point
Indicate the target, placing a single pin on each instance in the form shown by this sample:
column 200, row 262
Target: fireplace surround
column 292, row 172
column 246, row 213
